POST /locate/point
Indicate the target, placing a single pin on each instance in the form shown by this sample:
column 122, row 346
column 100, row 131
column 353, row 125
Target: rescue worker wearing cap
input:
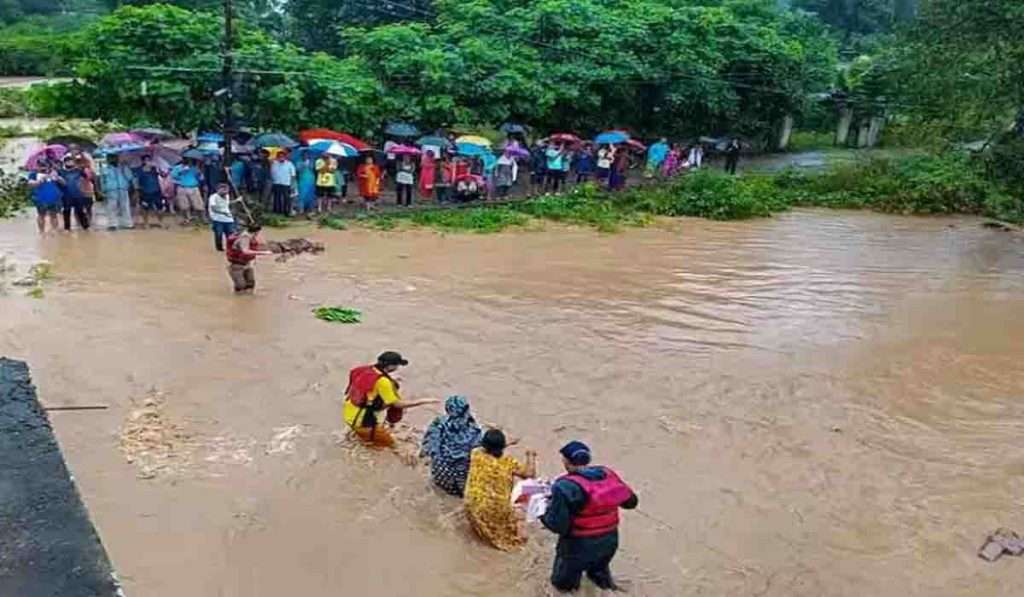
column 372, row 402
column 584, row 512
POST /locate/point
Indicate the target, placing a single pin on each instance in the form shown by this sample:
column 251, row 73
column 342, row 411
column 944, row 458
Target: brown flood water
column 821, row 403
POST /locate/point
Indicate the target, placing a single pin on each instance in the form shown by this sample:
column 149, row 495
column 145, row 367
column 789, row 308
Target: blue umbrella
column 432, row 140
column 335, row 148
column 194, row 154
column 401, row 129
column 513, row 129
column 611, row 138
column 273, row 140
column 118, row 149
column 210, row 138
column 470, row 149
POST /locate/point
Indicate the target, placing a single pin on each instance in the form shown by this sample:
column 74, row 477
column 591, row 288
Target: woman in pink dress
column 427, row 170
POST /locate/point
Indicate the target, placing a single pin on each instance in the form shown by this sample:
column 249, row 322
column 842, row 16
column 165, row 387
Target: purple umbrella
column 121, row 139
column 49, row 152
column 515, row 150
column 403, row 150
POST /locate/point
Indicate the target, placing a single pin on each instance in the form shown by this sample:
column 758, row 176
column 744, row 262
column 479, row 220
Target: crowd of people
column 581, row 506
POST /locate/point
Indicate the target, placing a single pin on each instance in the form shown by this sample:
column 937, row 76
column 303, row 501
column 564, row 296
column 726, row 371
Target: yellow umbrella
column 474, row 140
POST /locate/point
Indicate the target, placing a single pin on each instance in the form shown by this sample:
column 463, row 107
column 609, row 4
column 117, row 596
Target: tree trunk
column 843, row 127
column 785, row 130
column 863, row 130
column 875, row 126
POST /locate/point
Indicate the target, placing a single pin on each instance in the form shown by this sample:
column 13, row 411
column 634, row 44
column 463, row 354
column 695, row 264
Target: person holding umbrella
column 46, row 194
column 369, row 176
column 282, row 178
column 151, row 197
column 326, row 181
column 732, row 155
column 116, row 185
column 405, row 180
column 74, row 199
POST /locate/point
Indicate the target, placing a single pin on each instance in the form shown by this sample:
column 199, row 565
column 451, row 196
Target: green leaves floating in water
column 338, row 314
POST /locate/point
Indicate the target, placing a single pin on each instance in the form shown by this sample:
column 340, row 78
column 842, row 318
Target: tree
column 125, row 72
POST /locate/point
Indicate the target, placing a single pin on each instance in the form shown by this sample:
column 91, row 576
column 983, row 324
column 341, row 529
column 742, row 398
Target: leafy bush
column 14, row 194
column 476, row 219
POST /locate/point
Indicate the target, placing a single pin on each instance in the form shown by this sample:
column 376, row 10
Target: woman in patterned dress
column 448, row 442
column 488, row 499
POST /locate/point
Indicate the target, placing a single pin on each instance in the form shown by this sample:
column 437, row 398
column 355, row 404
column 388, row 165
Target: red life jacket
column 360, row 383
column 600, row 513
column 237, row 256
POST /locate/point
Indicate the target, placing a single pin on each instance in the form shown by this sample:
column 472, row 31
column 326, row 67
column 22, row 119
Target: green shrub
column 476, row 219
column 14, row 194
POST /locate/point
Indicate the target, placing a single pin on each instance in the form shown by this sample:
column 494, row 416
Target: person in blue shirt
column 116, row 185
column 584, row 164
column 655, row 156
column 46, row 195
column 556, row 173
column 74, row 199
column 151, row 198
column 190, row 199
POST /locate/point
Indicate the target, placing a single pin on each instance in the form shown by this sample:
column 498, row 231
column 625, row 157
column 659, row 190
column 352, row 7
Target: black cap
column 391, row 358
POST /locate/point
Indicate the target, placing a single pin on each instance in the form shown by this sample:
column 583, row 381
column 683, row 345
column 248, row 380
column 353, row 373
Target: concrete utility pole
column 228, row 75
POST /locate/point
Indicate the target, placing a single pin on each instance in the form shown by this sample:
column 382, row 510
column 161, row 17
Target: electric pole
column 228, row 62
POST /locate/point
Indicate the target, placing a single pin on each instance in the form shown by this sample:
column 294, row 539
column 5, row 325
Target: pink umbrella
column 114, row 139
column 403, row 150
column 49, row 152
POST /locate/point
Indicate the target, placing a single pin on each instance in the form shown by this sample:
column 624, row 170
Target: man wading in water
column 584, row 512
column 242, row 249
column 372, row 394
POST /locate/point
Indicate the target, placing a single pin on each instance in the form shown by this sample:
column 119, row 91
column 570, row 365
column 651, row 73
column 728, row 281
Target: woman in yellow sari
column 488, row 497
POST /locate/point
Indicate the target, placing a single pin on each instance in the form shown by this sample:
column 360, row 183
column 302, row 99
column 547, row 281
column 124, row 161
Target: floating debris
column 1002, row 542
column 338, row 314
column 151, row 442
column 287, row 249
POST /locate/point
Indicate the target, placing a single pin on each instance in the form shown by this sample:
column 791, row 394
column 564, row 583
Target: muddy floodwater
column 820, row 403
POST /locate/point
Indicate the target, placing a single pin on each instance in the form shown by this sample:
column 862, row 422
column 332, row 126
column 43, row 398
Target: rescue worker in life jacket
column 372, row 395
column 242, row 249
column 584, row 512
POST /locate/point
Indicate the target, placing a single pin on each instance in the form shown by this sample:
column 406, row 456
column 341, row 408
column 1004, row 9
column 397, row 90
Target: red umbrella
column 564, row 138
column 309, row 135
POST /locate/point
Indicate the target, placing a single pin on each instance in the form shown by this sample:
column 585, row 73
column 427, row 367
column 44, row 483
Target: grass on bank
column 919, row 184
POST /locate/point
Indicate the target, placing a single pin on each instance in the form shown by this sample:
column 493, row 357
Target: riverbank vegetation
column 910, row 185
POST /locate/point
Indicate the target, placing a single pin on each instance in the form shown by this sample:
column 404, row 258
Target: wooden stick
column 85, row 407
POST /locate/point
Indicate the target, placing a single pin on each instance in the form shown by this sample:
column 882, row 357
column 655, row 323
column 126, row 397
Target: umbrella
column 210, row 138
column 401, row 129
column 634, row 144
column 120, row 139
column 335, row 148
column 68, row 140
column 403, row 150
column 611, row 138
column 474, row 140
column 564, row 138
column 120, row 149
column 432, row 140
column 513, row 129
column 194, row 154
column 152, row 134
column 49, row 152
column 470, row 149
column 273, row 140
column 311, row 136
column 517, row 151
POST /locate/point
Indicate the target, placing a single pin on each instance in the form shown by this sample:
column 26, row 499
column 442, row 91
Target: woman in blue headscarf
column 448, row 442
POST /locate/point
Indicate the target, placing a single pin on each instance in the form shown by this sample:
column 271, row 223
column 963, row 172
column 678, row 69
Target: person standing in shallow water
column 584, row 512
column 242, row 249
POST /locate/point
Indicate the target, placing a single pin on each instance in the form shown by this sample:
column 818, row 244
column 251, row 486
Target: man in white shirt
column 282, row 179
column 221, row 218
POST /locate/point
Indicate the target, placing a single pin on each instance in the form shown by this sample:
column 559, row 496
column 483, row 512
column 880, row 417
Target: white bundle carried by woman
column 532, row 495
